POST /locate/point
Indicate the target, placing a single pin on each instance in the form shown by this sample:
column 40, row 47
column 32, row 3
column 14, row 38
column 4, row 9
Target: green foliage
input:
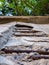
column 41, row 8
column 24, row 7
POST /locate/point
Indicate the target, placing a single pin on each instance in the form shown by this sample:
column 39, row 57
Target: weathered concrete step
column 36, row 39
column 22, row 28
column 25, row 51
column 30, row 34
column 28, row 31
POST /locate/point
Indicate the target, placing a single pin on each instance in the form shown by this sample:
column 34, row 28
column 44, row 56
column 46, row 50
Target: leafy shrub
column 24, row 7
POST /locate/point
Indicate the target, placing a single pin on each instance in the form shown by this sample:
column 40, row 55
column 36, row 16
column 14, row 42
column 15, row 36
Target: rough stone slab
column 5, row 61
column 5, row 33
column 21, row 59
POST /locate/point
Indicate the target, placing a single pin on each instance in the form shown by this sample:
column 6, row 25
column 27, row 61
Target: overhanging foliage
column 24, row 7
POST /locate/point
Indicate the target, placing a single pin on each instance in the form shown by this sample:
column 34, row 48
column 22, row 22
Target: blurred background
column 24, row 7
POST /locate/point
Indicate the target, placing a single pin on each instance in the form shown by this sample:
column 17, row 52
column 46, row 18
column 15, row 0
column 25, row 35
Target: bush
column 24, row 7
